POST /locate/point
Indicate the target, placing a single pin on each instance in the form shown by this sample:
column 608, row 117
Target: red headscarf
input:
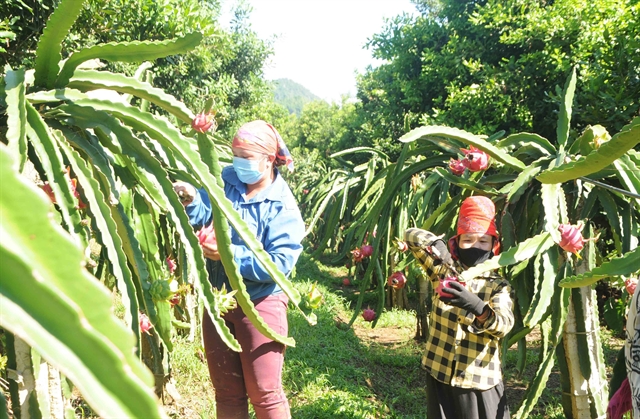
column 262, row 137
column 477, row 215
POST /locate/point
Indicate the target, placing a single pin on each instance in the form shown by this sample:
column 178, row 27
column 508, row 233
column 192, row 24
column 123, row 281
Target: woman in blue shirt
column 265, row 202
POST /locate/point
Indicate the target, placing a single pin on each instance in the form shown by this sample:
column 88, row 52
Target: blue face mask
column 247, row 170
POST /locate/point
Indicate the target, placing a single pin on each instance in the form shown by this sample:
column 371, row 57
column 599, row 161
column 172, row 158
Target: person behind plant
column 262, row 197
column 462, row 353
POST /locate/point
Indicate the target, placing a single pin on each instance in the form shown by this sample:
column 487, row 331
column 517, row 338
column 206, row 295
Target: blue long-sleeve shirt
column 272, row 215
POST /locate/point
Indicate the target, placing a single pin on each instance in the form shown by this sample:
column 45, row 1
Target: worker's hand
column 438, row 249
column 210, row 250
column 185, row 191
column 463, row 298
column 430, row 243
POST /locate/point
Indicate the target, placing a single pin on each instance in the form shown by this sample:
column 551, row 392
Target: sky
column 320, row 43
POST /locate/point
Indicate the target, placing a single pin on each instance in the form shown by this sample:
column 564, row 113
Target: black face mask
column 473, row 256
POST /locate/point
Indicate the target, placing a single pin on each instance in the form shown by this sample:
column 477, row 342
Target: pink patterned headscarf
column 262, row 137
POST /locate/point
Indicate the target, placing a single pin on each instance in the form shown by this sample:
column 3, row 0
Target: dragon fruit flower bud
column 415, row 182
column 397, row 280
column 315, row 297
column 571, row 239
column 203, row 122
column 368, row 314
column 145, row 323
column 458, row 166
column 477, row 159
column 225, row 301
column 600, row 136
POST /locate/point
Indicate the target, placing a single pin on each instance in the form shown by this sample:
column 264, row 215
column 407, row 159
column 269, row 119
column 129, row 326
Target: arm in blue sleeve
column 282, row 240
column 199, row 210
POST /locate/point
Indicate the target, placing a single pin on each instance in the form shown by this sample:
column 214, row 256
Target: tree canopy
column 227, row 65
column 493, row 65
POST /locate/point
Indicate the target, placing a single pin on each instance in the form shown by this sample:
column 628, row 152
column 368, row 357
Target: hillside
column 292, row 95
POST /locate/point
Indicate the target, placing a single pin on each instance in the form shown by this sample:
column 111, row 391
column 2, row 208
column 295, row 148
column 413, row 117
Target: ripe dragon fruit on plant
column 145, row 323
column 397, row 280
column 203, row 122
column 630, row 284
column 368, row 314
column 571, row 239
column 476, row 159
column 74, row 188
column 366, row 250
column 171, row 265
column 458, row 166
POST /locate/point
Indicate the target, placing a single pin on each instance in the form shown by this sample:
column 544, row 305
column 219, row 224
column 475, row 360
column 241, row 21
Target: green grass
column 191, row 376
column 358, row 372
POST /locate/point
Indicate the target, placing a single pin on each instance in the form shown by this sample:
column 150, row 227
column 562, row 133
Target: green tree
column 227, row 65
column 493, row 65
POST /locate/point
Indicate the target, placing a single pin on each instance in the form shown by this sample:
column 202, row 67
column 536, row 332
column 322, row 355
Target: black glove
column 463, row 298
column 440, row 252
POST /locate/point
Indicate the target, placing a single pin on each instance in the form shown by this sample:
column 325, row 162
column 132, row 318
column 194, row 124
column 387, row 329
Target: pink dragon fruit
column 397, row 280
column 145, row 323
column 630, row 285
column 458, row 166
column 368, row 314
column 203, row 122
column 346, row 282
column 206, row 235
column 366, row 250
column 477, row 159
column 171, row 265
column 444, row 283
column 571, row 239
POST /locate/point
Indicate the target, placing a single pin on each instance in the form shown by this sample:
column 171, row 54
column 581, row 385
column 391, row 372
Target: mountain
column 292, row 95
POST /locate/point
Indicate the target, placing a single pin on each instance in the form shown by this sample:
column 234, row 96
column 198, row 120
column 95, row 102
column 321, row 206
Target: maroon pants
column 254, row 374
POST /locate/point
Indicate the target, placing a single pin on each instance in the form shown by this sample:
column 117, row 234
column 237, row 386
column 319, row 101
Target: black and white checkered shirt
column 460, row 351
